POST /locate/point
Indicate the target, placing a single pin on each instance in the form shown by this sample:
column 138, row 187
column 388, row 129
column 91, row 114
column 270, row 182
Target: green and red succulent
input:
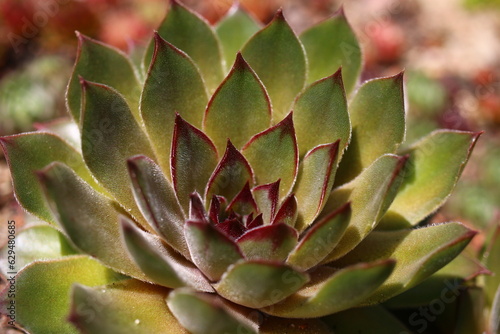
column 269, row 196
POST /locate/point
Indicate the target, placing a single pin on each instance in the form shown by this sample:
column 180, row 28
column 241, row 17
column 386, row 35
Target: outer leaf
column 157, row 201
column 234, row 30
column 434, row 167
column 288, row 212
column 230, row 175
column 374, row 319
column 64, row 128
column 194, row 158
column 370, row 195
column 212, row 251
column 160, row 263
column 332, row 44
column 320, row 240
column 277, row 56
column 37, row 242
column 239, row 108
column 89, row 219
column 378, row 125
column 418, row 254
column 114, row 309
column 315, row 182
column 273, row 154
column 494, row 322
column 331, row 291
column 259, row 284
column 320, row 114
column 270, row 242
column 173, row 85
column 267, row 198
column 205, row 314
column 101, row 63
column 193, row 35
column 491, row 258
column 27, row 153
column 110, row 135
column 42, row 292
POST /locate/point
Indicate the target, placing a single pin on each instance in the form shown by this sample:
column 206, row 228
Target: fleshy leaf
column 259, row 284
column 101, row 63
column 232, row 228
column 243, row 203
column 110, row 135
column 494, row 322
column 256, row 222
column 125, row 307
column 205, row 314
column 238, row 109
column 196, row 208
column 320, row 240
column 234, row 30
column 315, row 181
column 39, row 242
column 212, row 251
column 373, row 319
column 435, row 164
column 67, row 129
column 491, row 258
column 320, row 114
column 331, row 291
column 274, row 325
column 230, row 175
column 157, row 201
column 42, row 292
column 173, row 85
column 161, row 264
column 418, row 254
column 278, row 58
column 378, row 125
column 267, row 198
column 332, row 44
column 194, row 158
column 273, row 154
column 288, row 212
column 29, row 152
column 89, row 219
column 189, row 32
column 269, row 242
column 370, row 195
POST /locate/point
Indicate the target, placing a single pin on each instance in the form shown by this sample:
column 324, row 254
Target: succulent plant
column 191, row 198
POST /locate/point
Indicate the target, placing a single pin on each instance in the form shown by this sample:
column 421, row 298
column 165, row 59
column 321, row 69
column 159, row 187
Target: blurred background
column 449, row 49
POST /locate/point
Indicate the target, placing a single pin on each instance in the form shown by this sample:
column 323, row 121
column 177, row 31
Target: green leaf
column 267, row 199
column 491, row 258
column 320, row 114
column 315, row 181
column 89, row 219
column 29, row 152
column 173, row 85
column 189, row 32
column 104, row 64
column 374, row 319
column 206, row 314
column 273, row 154
column 67, row 129
column 234, row 30
column 39, row 242
column 434, row 167
column 243, row 204
column 157, row 201
column 212, row 251
column 320, row 240
column 494, row 322
column 160, row 263
column 125, row 307
column 418, row 254
column 238, row 109
column 370, row 195
column 193, row 160
column 110, row 135
column 269, row 242
column 259, row 284
column 42, row 292
column 230, row 175
column 332, row 44
column 288, row 212
column 378, row 125
column 331, row 291
column 277, row 56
